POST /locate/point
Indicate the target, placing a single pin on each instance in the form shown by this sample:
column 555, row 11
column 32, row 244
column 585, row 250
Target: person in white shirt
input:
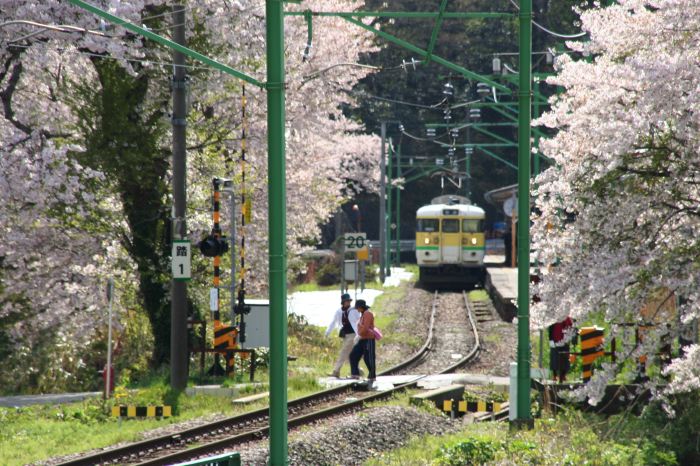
column 346, row 318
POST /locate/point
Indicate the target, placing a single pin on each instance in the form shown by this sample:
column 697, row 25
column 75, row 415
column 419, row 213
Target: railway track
column 224, row 435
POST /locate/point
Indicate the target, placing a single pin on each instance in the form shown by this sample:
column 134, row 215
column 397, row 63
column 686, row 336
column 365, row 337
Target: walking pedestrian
column 346, row 318
column 365, row 346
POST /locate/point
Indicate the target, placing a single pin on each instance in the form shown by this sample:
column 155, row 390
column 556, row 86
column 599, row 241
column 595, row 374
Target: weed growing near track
column 571, row 438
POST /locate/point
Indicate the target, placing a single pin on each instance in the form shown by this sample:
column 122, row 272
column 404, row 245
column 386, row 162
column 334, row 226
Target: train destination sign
column 355, row 241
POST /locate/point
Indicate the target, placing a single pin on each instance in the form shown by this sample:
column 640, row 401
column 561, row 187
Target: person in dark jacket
column 365, row 346
column 560, row 335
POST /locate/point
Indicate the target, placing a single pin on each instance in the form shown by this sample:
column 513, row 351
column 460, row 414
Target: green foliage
column 479, row 295
column 131, row 362
column 328, row 274
column 470, row 451
column 679, row 434
column 121, row 126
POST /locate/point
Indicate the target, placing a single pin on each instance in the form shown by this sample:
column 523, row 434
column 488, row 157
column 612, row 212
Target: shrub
column 470, row 451
column 328, row 274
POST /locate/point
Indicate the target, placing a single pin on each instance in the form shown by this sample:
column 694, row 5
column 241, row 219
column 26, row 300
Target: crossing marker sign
column 182, row 260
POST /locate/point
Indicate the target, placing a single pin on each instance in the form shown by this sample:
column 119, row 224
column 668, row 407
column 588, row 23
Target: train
column 450, row 242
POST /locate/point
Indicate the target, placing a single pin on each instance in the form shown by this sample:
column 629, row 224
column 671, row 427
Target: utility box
column 257, row 325
column 350, row 270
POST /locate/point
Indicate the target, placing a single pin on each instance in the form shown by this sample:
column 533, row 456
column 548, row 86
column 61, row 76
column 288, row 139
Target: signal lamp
column 213, row 246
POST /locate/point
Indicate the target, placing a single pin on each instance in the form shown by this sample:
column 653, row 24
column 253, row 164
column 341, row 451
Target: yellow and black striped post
column 141, row 411
column 591, row 349
column 224, row 335
column 463, row 406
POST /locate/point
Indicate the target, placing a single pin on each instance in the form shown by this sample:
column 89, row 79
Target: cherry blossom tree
column 620, row 209
column 71, row 182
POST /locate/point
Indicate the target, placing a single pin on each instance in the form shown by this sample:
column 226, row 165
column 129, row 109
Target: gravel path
column 350, row 440
column 498, row 339
column 411, row 326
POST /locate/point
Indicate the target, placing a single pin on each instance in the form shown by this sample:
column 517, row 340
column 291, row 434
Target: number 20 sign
column 182, row 264
column 355, row 241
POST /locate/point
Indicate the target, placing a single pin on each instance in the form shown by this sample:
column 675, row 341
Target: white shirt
column 353, row 317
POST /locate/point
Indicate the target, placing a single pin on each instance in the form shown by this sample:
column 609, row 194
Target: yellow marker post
column 363, row 254
column 591, row 349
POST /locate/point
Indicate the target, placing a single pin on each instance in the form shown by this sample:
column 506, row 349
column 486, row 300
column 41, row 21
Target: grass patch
column 39, row 432
column 369, row 285
column 568, row 439
column 479, row 295
column 36, row 433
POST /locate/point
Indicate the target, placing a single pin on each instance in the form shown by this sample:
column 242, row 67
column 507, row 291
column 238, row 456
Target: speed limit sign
column 355, row 241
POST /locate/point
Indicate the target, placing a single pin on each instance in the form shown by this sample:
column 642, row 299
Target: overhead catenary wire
column 143, row 61
column 67, row 28
column 418, row 138
column 555, row 34
column 318, row 73
column 400, row 102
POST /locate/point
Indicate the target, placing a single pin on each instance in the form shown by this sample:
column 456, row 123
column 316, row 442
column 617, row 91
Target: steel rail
column 134, row 450
column 354, row 405
column 131, row 452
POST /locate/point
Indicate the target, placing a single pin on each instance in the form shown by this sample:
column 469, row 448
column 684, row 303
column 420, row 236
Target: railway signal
column 213, row 246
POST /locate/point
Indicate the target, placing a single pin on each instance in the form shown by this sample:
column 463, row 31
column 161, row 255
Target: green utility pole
column 277, row 222
column 524, row 98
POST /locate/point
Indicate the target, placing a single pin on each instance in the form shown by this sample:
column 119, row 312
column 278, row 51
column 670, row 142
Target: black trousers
column 364, row 349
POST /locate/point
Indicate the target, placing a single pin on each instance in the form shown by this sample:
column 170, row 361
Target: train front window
column 472, row 226
column 427, row 225
column 450, row 226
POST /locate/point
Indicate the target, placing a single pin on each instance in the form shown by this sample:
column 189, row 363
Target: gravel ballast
column 352, row 439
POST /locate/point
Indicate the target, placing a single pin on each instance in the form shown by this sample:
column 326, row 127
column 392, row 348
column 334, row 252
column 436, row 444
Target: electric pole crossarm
column 498, row 157
column 436, row 28
column 497, row 137
column 424, row 54
column 167, row 42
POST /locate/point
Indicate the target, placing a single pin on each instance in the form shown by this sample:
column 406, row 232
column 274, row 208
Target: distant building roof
column 498, row 196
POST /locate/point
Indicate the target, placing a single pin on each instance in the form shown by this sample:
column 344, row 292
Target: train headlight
column 427, row 240
column 473, row 240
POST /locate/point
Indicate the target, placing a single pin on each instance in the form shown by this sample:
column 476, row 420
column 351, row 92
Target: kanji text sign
column 182, row 260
